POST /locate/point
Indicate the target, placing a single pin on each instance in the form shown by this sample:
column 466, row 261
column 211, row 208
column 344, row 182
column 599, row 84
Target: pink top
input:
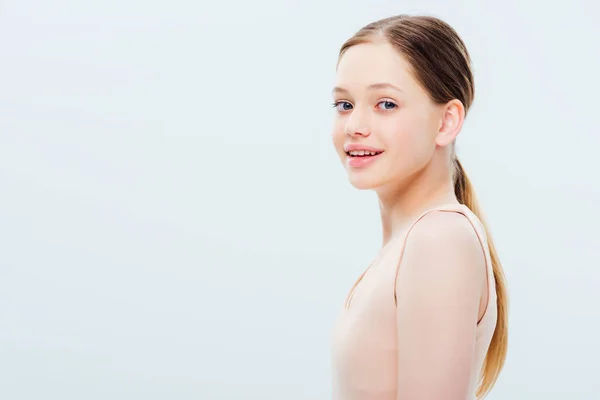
column 365, row 345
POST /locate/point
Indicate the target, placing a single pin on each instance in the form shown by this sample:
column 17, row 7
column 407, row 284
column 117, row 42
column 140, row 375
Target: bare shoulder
column 438, row 292
column 443, row 226
column 445, row 244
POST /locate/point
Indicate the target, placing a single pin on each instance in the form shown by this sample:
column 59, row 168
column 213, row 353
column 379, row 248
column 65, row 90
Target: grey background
column 174, row 222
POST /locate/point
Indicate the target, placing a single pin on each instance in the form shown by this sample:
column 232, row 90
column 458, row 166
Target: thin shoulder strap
column 360, row 278
column 460, row 209
column 353, row 289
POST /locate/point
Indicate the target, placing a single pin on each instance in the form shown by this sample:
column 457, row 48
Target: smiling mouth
column 362, row 153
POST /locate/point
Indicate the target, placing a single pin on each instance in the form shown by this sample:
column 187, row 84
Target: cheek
column 409, row 143
column 338, row 135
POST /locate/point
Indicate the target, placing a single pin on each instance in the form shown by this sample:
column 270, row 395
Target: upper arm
column 439, row 287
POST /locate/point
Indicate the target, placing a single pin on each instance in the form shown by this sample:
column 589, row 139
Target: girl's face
column 385, row 125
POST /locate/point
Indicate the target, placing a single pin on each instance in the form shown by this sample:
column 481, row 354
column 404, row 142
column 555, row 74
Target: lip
column 362, row 161
column 357, row 147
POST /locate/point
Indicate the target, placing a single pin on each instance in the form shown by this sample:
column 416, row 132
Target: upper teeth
column 362, row 153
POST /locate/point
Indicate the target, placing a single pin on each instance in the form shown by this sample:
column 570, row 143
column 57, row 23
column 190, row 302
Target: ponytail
column 496, row 355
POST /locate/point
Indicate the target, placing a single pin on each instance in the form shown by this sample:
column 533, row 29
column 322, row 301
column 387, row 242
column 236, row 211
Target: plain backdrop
column 175, row 224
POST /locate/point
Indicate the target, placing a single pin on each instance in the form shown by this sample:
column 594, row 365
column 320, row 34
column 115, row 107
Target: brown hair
column 442, row 65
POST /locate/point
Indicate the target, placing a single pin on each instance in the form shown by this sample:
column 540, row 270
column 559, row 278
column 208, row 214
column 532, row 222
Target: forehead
column 364, row 64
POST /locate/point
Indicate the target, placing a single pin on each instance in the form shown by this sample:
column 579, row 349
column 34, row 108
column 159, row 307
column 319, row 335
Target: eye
column 387, row 105
column 342, row 106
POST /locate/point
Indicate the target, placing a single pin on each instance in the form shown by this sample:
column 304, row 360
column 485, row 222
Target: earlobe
column 453, row 115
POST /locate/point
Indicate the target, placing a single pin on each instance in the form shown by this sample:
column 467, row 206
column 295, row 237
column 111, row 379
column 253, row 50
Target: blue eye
column 342, row 106
column 388, row 105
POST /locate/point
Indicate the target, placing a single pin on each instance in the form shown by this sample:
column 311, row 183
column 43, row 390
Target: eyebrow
column 373, row 86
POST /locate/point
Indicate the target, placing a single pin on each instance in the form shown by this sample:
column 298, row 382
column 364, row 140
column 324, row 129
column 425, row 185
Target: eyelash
column 337, row 103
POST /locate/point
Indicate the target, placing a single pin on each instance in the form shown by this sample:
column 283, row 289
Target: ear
column 452, row 117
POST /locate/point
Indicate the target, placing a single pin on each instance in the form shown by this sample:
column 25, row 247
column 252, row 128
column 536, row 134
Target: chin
column 363, row 181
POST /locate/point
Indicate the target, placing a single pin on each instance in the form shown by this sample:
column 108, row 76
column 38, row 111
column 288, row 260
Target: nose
column 357, row 124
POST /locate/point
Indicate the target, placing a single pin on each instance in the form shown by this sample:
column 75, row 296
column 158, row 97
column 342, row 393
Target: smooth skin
column 441, row 294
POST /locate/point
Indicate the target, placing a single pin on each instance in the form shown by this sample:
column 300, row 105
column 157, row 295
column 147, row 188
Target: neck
column 399, row 206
